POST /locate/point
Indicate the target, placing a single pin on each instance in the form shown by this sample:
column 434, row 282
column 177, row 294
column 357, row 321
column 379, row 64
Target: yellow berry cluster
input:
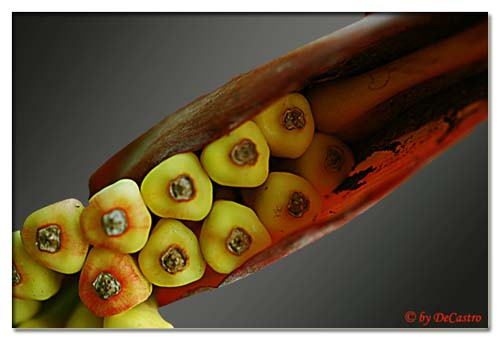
column 134, row 236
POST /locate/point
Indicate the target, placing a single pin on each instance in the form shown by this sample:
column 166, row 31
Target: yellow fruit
column 230, row 235
column 172, row 256
column 39, row 323
column 55, row 311
column 287, row 125
column 145, row 315
column 178, row 188
column 286, row 203
column 52, row 236
column 23, row 310
column 31, row 280
column 326, row 163
column 238, row 159
column 82, row 317
column 117, row 218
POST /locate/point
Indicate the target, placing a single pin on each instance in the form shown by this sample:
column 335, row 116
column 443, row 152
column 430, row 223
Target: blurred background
column 87, row 85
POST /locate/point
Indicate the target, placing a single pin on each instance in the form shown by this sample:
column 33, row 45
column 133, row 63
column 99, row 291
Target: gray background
column 87, row 85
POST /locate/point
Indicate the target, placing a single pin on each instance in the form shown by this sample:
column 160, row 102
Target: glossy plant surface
column 290, row 260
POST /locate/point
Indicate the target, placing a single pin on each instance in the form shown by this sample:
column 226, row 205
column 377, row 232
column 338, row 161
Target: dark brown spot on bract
column 354, row 181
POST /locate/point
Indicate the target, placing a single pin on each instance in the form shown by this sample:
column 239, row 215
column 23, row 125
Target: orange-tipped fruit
column 288, row 126
column 230, row 235
column 178, row 188
column 52, row 236
column 117, row 218
column 31, row 280
column 238, row 159
column 111, row 283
